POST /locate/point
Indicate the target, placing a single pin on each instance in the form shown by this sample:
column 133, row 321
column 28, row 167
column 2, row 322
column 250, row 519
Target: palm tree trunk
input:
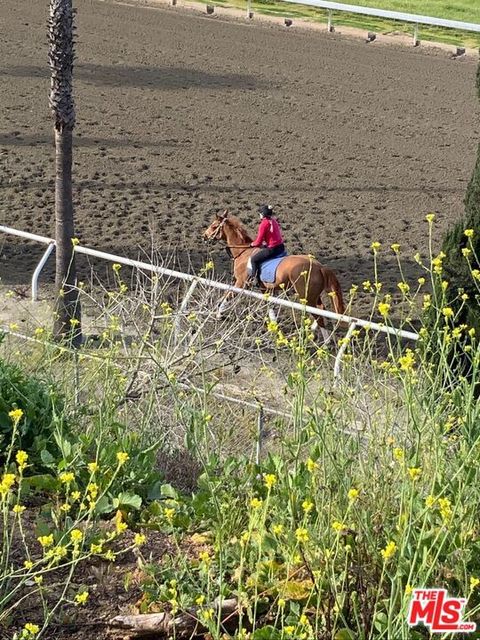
column 61, row 54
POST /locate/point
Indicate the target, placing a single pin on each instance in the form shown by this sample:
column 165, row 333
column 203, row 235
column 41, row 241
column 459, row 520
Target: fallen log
column 186, row 624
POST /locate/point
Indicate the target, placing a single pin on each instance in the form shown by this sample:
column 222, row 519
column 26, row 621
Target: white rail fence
column 215, row 284
column 383, row 13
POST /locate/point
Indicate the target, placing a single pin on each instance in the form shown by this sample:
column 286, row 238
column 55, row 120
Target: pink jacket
column 268, row 233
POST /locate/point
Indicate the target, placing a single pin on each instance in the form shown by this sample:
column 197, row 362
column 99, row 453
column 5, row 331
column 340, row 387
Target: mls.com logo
column 438, row 612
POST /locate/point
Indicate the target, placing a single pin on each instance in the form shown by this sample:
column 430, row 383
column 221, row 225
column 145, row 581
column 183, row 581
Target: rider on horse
column 269, row 238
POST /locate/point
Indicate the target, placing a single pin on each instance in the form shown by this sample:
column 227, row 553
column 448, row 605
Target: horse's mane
column 242, row 233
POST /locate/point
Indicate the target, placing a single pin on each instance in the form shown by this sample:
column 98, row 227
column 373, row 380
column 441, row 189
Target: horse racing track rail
column 194, row 280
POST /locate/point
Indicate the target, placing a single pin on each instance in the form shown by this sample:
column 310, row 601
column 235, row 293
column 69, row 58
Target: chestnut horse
column 305, row 274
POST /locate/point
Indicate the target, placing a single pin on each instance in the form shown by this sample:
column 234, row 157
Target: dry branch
column 186, row 624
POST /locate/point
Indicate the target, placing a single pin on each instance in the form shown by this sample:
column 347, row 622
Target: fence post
column 183, row 307
column 39, row 268
column 330, row 21
column 260, row 433
column 415, row 35
column 341, row 351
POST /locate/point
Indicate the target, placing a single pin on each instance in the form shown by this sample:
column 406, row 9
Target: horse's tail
column 335, row 292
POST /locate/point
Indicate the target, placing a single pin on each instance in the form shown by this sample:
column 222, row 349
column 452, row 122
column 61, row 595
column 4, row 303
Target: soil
column 180, row 115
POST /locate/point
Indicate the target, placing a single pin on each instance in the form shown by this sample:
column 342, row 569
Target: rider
column 269, row 238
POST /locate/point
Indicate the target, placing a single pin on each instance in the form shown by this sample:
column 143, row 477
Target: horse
column 303, row 273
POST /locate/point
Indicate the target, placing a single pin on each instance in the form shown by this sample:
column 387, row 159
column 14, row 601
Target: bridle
column 229, row 247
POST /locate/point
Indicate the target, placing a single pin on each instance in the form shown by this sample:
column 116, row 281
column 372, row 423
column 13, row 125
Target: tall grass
column 368, row 490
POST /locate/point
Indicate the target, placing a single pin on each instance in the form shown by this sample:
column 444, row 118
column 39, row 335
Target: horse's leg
column 313, row 298
column 240, row 283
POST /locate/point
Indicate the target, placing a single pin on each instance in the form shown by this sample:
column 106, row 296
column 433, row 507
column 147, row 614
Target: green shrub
column 18, row 390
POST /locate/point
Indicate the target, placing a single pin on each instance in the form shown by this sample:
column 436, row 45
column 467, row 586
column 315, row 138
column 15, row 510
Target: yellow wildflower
column 8, row 480
column 277, row 529
column 404, row 287
column 430, row 501
column 407, row 361
column 75, row 495
column 337, row 526
column 270, row 480
column 76, row 536
column 21, row 459
column 30, row 630
column 389, row 550
column 445, row 507
column 395, row 247
column 399, row 454
column 474, row 582
column 353, row 494
column 92, row 489
column 200, row 600
column 18, row 509
column 16, row 415
column 28, row 564
column 430, row 217
column 120, row 526
column 466, row 252
column 208, row 266
column 421, row 281
column 92, row 467
column 207, row 615
column 122, row 457
column 81, row 598
column 46, row 541
column 307, row 506
column 67, row 477
column 408, row 589
column 116, row 267
column 384, row 308
column 375, row 246
column 139, row 539
column 169, row 514
column 256, row 503
column 414, row 473
column 447, row 312
column 301, row 535
column 204, row 557
column 469, row 233
column 311, row 465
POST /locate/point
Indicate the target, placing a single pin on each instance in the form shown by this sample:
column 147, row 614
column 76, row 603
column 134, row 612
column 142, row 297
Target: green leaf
column 103, row 505
column 167, row 491
column 155, row 491
column 266, row 633
column 127, row 500
column 47, row 458
column 344, row 634
column 381, row 621
column 43, row 482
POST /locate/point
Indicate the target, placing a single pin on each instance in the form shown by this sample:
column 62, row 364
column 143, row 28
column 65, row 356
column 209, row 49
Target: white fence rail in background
column 215, row 284
column 383, row 13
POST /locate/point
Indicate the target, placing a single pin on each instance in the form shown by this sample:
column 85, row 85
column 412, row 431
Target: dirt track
column 180, row 115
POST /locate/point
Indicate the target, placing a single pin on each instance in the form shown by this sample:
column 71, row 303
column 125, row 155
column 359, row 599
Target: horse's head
column 216, row 230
